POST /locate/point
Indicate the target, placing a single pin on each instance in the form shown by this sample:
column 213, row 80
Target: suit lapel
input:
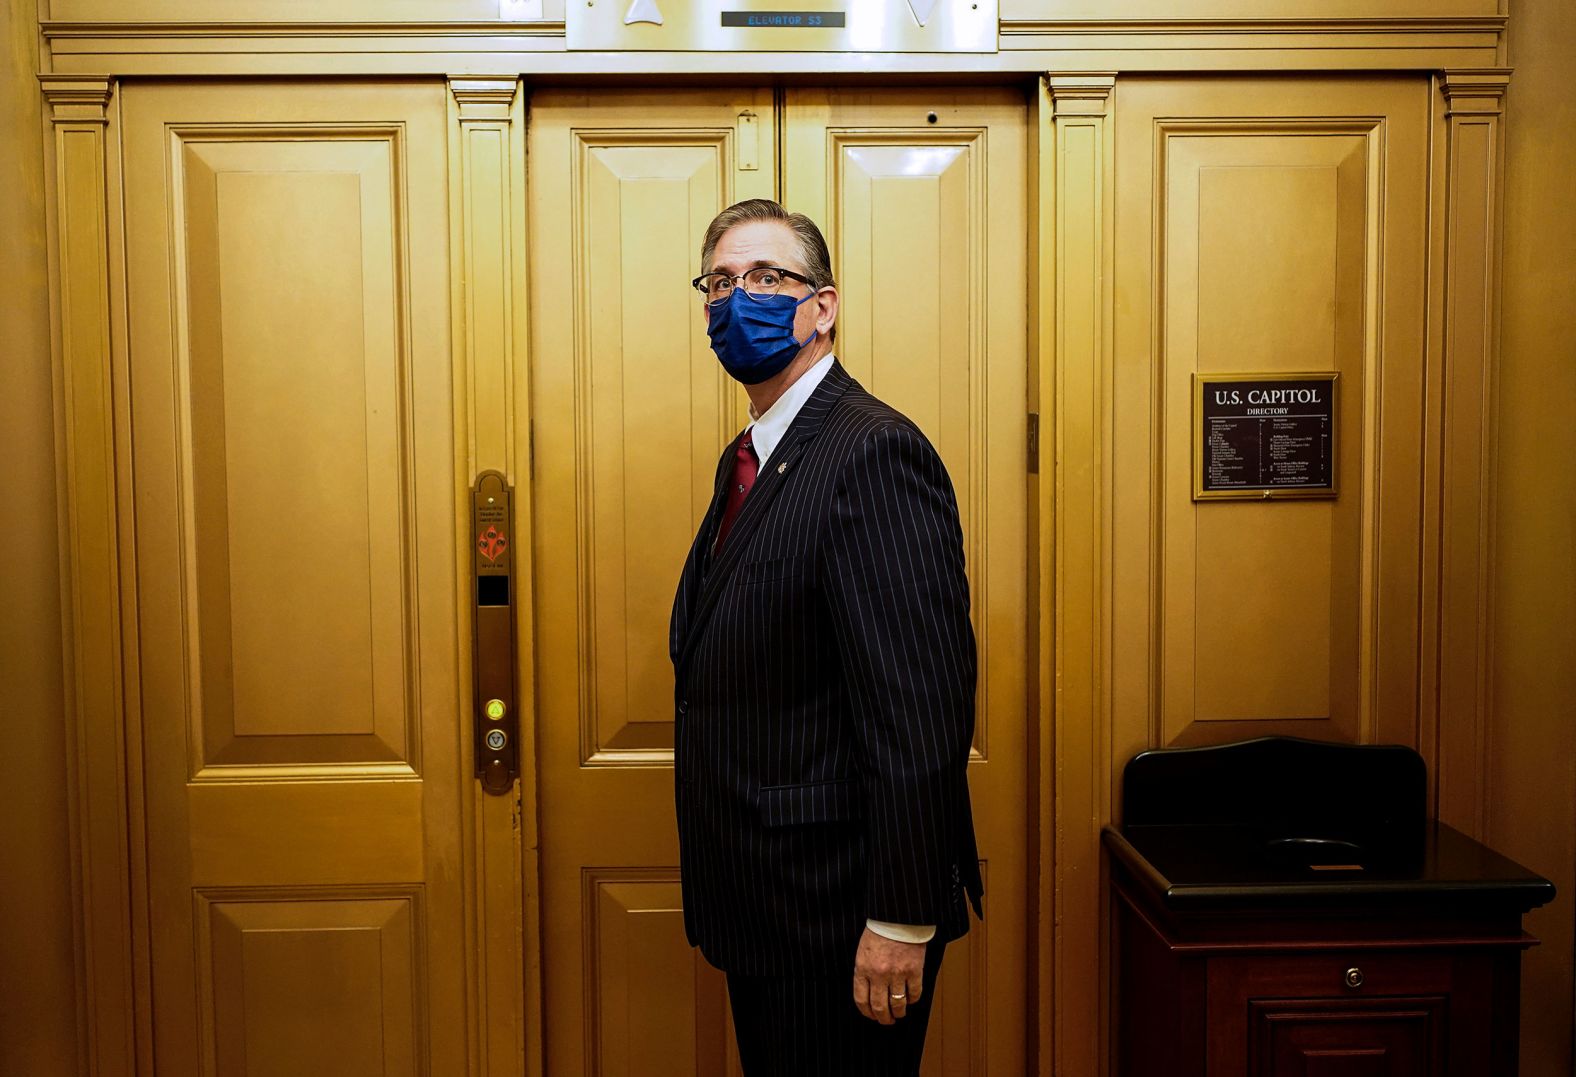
column 780, row 469
column 699, row 559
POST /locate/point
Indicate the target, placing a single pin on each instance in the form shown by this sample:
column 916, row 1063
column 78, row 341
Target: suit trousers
column 808, row 1026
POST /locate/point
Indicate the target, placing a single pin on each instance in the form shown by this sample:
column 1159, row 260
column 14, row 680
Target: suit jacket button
column 683, row 706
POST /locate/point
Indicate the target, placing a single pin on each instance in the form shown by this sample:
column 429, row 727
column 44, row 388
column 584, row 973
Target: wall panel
column 641, row 1024
column 1203, row 10
column 38, row 999
column 305, row 628
column 629, row 288
column 1282, row 232
column 311, row 983
column 911, row 234
column 330, row 12
column 926, row 221
column 1266, row 251
column 101, row 775
column 292, row 499
column 630, row 412
column 1529, row 771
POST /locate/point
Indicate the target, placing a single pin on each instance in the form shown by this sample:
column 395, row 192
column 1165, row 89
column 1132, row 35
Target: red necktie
column 744, row 467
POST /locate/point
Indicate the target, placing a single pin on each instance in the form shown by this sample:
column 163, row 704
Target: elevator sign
column 805, row 20
column 756, row 26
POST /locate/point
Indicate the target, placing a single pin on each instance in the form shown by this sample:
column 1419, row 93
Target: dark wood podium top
column 1278, row 822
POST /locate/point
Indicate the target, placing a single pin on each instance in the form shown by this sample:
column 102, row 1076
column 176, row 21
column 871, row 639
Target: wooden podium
column 1281, row 908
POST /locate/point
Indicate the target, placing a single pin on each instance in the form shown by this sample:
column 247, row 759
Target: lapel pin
column 782, row 467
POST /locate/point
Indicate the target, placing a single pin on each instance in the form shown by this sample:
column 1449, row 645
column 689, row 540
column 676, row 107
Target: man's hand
column 888, row 975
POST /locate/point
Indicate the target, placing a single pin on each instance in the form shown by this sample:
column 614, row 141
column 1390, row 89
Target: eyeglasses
column 762, row 282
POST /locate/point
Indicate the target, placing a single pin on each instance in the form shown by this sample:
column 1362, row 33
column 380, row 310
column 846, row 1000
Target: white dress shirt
column 770, row 428
column 768, row 431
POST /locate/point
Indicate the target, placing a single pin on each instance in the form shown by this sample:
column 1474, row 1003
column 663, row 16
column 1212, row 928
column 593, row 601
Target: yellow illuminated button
column 495, row 709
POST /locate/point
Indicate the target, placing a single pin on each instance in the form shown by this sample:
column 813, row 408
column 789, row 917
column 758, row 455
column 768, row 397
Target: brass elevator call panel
column 496, row 742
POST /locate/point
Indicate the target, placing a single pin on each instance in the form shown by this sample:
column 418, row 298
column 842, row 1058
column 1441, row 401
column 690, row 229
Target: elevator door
column 923, row 195
column 297, row 712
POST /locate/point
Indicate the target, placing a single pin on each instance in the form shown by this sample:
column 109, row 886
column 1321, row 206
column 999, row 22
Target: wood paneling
column 294, row 504
column 1505, row 725
column 102, row 787
column 313, row 984
column 1266, row 248
column 1291, row 1016
column 1276, row 236
column 1075, row 303
column 492, row 398
column 965, row 1011
column 927, row 225
column 1465, row 436
column 255, row 832
column 438, row 37
column 1204, row 10
column 672, row 1025
column 332, row 11
column 305, row 629
column 1144, row 297
column 38, row 1000
column 630, row 413
column 634, row 501
column 910, row 222
column 1530, row 782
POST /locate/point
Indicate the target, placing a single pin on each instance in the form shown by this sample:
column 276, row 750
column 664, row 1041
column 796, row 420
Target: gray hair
column 813, row 253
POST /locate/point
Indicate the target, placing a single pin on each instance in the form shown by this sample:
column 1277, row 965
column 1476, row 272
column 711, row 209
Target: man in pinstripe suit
column 824, row 692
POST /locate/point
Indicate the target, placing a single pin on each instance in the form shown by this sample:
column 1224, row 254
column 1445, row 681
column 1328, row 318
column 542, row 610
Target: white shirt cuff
column 902, row 932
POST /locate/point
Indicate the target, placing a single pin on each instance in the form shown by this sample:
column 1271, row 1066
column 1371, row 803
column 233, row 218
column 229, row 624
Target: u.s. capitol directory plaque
column 1264, row 436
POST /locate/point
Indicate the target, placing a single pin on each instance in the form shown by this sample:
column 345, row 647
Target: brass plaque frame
column 1260, row 492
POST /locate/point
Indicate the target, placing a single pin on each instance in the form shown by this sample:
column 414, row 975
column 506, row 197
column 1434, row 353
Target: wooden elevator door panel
column 294, row 505
column 927, row 225
column 630, row 413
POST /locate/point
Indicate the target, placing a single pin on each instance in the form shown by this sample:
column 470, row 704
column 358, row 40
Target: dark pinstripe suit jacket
column 824, row 693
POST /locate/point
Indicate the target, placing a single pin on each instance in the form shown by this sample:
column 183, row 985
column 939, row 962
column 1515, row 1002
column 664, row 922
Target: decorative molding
column 489, row 334
column 531, row 47
column 1046, row 875
column 1075, row 283
column 77, row 98
column 1150, row 27
column 56, row 29
column 484, row 97
column 1258, row 44
column 1184, row 714
column 81, row 198
column 618, row 905
column 1465, row 439
column 1080, row 94
column 322, row 914
column 1479, row 91
column 487, row 184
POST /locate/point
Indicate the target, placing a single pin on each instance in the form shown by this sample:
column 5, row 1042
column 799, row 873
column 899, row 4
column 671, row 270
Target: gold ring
column 899, row 998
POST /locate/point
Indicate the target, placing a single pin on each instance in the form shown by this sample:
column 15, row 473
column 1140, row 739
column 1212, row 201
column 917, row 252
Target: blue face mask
column 753, row 338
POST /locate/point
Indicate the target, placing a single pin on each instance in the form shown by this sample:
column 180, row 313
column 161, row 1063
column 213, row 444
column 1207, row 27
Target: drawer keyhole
column 1354, row 977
